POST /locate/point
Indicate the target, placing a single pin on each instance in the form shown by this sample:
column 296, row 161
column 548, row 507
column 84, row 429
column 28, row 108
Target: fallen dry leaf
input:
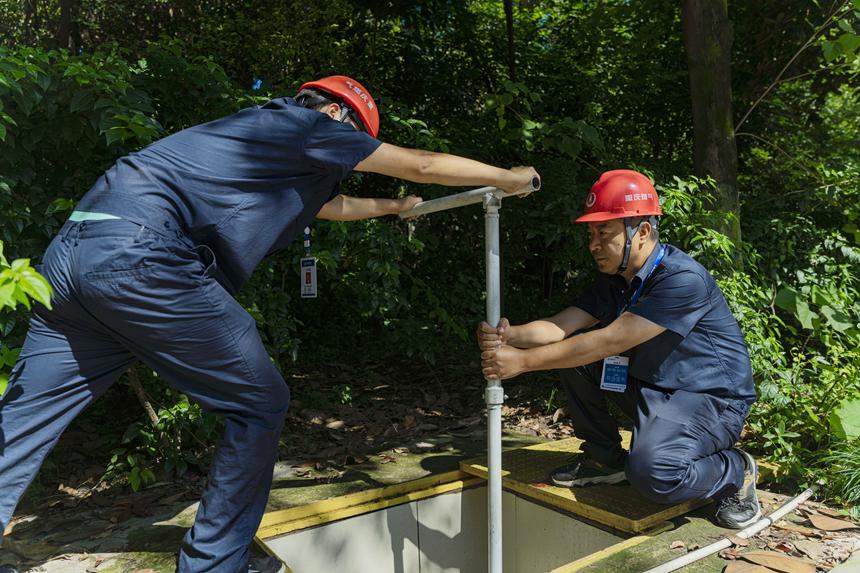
column 677, row 545
column 729, row 553
column 745, row 567
column 738, row 541
column 812, row 549
column 779, row 561
column 829, row 512
column 830, row 524
column 793, row 527
column 783, row 546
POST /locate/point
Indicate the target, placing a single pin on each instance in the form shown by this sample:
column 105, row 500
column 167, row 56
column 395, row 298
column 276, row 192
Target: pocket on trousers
column 134, row 272
column 682, row 407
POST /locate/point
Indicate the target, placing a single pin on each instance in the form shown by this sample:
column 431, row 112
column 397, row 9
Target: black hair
column 313, row 98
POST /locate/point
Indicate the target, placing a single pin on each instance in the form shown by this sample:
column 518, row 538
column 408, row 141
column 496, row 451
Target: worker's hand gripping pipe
column 494, row 395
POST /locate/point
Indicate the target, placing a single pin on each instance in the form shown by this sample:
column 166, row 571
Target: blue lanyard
column 638, row 292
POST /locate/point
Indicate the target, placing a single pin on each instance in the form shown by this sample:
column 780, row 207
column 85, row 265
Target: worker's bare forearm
column 442, row 168
column 535, row 333
column 445, row 169
column 345, row 208
column 626, row 332
column 550, row 330
column 577, row 351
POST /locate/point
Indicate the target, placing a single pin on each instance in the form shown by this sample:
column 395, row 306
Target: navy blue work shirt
column 702, row 348
column 243, row 185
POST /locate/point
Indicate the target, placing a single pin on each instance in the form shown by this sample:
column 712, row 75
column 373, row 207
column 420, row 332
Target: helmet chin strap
column 631, row 232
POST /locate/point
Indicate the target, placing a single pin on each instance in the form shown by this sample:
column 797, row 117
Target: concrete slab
column 446, row 531
column 386, row 539
column 852, row 565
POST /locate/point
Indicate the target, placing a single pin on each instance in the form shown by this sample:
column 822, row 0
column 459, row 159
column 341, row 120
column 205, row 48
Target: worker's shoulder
column 678, row 261
column 679, row 268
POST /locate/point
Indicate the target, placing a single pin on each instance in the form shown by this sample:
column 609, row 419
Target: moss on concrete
column 383, row 470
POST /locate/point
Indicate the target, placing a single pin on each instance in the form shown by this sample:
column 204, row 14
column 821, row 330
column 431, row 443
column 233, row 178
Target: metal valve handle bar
column 463, row 199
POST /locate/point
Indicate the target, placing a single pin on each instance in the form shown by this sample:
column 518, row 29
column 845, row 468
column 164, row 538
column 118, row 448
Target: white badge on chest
column 614, row 377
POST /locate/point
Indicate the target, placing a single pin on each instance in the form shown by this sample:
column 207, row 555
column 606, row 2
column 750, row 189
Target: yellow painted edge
column 583, row 562
column 336, row 503
column 350, row 510
column 478, row 470
column 584, row 510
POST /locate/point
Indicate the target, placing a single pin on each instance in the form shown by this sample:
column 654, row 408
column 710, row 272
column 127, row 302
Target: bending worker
column 147, row 268
column 666, row 349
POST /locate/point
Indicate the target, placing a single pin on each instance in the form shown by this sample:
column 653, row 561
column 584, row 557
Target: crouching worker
column 667, row 350
column 147, row 268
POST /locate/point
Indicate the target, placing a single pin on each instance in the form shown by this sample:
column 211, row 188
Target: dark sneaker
column 741, row 509
column 7, row 569
column 585, row 471
column 266, row 564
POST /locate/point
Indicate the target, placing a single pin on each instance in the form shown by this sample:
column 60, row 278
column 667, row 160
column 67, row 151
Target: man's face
column 606, row 241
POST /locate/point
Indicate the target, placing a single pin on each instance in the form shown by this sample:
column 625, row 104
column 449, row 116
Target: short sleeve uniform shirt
column 243, row 185
column 702, row 348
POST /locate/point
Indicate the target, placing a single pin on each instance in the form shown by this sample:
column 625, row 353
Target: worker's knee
column 269, row 400
column 662, row 479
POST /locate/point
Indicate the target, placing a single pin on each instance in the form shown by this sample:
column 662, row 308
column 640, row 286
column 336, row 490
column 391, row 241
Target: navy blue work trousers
column 125, row 292
column 682, row 447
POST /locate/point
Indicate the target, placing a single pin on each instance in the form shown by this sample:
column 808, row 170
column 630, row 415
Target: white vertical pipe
column 494, row 394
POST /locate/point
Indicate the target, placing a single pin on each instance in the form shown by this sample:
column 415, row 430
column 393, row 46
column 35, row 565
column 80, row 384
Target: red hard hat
column 354, row 94
column 620, row 194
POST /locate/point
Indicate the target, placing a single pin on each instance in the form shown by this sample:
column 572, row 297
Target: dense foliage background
column 573, row 88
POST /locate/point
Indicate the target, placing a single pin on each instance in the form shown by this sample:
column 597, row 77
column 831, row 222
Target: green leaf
column 845, row 420
column 2, row 132
column 804, row 314
column 7, row 292
column 4, row 381
column 134, row 478
column 837, row 320
column 829, row 50
column 19, row 265
column 786, row 299
column 502, row 122
column 36, row 286
column 131, row 433
column 849, row 43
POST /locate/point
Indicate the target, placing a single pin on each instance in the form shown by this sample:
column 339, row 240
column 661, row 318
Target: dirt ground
column 341, row 415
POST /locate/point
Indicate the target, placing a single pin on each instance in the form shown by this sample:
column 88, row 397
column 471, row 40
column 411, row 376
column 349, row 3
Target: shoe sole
column 607, row 479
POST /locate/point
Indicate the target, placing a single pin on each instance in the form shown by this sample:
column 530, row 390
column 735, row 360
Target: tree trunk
column 509, row 21
column 707, row 33
column 64, row 30
column 31, row 21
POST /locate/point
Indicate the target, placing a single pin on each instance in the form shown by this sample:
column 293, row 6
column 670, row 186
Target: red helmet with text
column 621, row 194
column 354, row 96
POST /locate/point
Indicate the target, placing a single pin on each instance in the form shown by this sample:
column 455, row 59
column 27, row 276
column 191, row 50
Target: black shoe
column 7, row 569
column 741, row 509
column 585, row 471
column 266, row 564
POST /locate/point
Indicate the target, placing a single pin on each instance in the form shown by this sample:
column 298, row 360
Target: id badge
column 309, row 277
column 614, row 377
